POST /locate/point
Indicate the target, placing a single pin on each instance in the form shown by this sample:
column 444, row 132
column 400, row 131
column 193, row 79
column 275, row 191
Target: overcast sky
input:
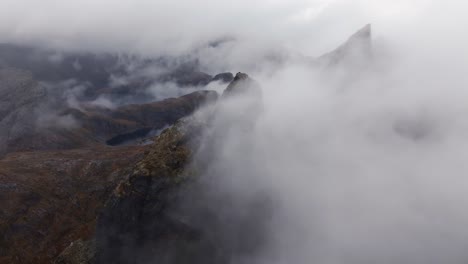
column 308, row 26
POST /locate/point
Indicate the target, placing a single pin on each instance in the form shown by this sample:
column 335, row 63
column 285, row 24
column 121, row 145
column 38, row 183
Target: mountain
column 47, row 95
column 24, row 128
column 357, row 48
column 20, row 96
column 62, row 100
column 50, row 198
column 88, row 183
column 146, row 218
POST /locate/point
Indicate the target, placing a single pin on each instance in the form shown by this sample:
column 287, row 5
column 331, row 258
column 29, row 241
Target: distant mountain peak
column 358, row 46
column 364, row 33
column 242, row 84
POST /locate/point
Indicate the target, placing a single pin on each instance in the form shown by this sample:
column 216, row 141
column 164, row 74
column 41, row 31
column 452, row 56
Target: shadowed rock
column 242, row 85
column 223, row 77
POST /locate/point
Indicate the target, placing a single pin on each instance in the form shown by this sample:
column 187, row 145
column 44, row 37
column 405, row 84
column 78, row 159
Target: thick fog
column 227, row 35
column 364, row 162
column 359, row 162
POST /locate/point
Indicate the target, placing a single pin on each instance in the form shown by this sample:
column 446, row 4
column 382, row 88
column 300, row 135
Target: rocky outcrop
column 242, row 102
column 243, row 85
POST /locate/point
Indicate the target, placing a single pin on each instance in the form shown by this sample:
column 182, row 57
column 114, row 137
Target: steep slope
column 50, row 198
column 160, row 212
column 357, row 48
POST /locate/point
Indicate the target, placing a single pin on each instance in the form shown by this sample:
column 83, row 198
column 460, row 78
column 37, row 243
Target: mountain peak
column 363, row 33
column 242, row 84
column 358, row 46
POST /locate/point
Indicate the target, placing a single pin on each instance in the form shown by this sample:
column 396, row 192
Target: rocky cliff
column 156, row 214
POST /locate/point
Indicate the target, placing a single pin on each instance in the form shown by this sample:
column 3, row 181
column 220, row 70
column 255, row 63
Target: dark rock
column 242, row 84
column 243, row 102
column 226, row 77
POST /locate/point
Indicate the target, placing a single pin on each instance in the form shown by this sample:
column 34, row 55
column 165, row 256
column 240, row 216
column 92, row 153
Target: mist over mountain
column 248, row 132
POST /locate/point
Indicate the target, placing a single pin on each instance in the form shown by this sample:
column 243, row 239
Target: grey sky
column 309, row 26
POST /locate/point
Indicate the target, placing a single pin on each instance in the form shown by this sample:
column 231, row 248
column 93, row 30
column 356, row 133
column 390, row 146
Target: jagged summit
column 242, row 83
column 241, row 76
column 357, row 47
column 364, row 33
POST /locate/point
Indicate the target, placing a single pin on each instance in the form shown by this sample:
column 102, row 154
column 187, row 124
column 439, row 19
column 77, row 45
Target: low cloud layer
column 226, row 34
column 362, row 162
column 361, row 166
column 364, row 165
